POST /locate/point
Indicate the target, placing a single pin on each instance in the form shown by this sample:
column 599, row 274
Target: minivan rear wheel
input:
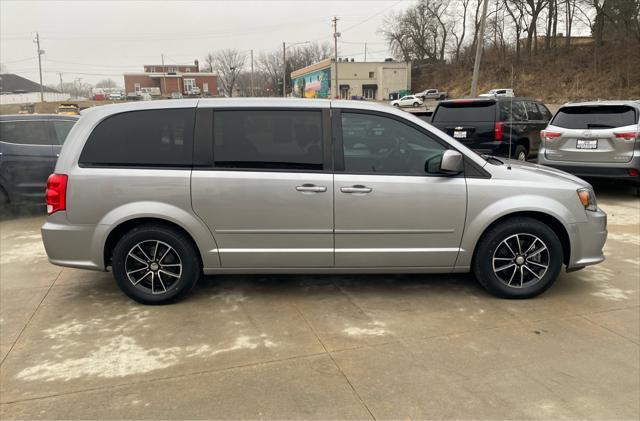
column 518, row 258
column 155, row 264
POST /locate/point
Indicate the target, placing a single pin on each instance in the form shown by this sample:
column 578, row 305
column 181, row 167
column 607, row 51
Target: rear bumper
column 617, row 171
column 587, row 240
column 71, row 245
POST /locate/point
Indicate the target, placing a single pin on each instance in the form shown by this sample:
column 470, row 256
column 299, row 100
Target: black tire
column 521, row 153
column 415, row 105
column 176, row 287
column 491, row 245
column 396, row 105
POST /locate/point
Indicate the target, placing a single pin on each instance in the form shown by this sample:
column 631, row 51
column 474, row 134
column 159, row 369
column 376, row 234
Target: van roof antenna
column 510, row 120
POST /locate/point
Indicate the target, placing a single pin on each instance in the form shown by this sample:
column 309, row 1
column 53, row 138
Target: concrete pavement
column 322, row 347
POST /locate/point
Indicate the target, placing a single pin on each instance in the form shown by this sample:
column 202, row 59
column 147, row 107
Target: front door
column 389, row 211
column 268, row 197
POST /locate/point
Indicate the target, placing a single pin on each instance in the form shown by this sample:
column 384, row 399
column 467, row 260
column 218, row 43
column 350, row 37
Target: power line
column 372, row 16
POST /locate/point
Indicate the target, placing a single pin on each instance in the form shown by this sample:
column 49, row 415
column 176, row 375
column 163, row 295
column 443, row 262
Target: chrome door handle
column 311, row 188
column 356, row 189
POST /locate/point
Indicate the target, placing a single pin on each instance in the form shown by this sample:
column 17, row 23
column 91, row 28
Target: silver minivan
column 162, row 192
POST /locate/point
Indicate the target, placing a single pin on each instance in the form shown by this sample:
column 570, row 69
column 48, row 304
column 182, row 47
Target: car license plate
column 587, row 144
column 457, row 134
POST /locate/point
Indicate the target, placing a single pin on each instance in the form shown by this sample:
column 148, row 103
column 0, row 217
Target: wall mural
column 313, row 85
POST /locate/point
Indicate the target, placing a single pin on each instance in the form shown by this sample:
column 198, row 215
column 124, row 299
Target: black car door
column 28, row 158
column 536, row 122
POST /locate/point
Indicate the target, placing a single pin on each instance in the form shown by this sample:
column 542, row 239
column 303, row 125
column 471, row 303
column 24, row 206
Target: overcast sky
column 95, row 40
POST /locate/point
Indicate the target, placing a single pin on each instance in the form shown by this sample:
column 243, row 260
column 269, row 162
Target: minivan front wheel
column 518, row 258
column 154, row 264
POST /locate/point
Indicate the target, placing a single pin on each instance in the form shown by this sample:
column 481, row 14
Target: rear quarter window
column 142, row 138
column 25, row 132
column 468, row 112
column 595, row 117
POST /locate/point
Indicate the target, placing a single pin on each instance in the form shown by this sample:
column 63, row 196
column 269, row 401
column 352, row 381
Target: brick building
column 170, row 78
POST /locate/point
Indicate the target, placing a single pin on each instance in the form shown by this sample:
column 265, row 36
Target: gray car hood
column 529, row 170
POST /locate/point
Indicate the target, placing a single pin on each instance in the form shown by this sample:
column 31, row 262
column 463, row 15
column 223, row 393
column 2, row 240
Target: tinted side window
column 142, row 138
column 461, row 113
column 376, row 144
column 512, row 110
column 544, row 111
column 595, row 117
column 25, row 132
column 62, row 129
column 277, row 139
column 532, row 111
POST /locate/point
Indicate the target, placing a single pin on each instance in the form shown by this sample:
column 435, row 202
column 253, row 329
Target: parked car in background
column 432, row 94
column 407, row 101
column 68, row 109
column 595, row 139
column 115, row 96
column 175, row 95
column 133, row 96
column 497, row 93
column 242, row 185
column 29, row 148
column 145, row 96
column 494, row 126
column 194, row 91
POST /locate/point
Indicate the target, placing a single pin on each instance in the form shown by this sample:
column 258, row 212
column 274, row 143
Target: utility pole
column 252, row 92
column 60, row 74
column 40, row 53
column 284, row 70
column 336, row 34
column 164, row 80
column 479, row 46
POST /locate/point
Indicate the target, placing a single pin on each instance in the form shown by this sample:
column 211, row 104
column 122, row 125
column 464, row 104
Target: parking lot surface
column 324, row 347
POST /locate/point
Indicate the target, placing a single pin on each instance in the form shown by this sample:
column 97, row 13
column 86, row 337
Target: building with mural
column 370, row 80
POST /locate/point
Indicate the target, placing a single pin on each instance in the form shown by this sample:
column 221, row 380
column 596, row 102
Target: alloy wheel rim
column 522, row 156
column 153, row 266
column 521, row 260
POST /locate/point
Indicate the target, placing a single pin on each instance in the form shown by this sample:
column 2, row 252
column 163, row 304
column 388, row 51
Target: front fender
column 482, row 211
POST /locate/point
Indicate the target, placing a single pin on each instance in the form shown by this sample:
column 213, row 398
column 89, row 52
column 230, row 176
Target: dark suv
column 487, row 124
column 29, row 147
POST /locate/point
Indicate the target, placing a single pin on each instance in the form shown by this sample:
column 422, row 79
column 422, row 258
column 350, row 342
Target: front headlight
column 588, row 199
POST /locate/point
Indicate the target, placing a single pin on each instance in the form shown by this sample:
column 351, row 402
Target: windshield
column 595, row 117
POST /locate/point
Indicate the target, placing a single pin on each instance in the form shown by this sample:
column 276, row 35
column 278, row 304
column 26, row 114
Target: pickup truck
column 432, row 94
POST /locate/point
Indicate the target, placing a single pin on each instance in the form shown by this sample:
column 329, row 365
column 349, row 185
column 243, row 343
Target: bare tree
column 227, row 64
column 271, row 65
column 106, row 83
column 459, row 39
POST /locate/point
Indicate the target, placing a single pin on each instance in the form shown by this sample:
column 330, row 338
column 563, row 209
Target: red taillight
column 497, row 131
column 633, row 172
column 545, row 135
column 56, row 194
column 627, row 135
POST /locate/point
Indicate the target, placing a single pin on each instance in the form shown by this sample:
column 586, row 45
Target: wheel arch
column 551, row 221
column 125, row 226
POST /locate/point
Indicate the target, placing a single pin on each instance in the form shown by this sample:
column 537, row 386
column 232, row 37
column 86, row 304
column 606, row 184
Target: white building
column 371, row 80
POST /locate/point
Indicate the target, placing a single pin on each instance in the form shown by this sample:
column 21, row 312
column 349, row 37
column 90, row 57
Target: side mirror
column 452, row 162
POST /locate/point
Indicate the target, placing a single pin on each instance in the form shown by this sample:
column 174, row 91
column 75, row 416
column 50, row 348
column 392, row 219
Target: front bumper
column 587, row 240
